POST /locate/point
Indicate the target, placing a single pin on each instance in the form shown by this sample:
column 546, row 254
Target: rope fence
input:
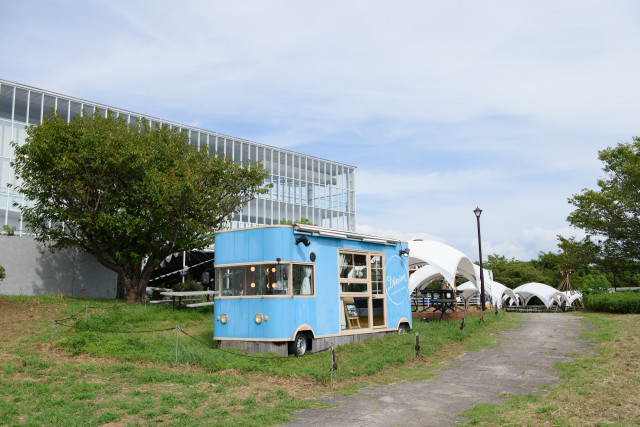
column 73, row 316
column 56, row 322
column 179, row 330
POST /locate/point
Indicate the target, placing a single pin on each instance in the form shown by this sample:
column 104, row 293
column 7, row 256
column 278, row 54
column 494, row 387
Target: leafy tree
column 610, row 215
column 578, row 254
column 549, row 265
column 511, row 272
column 2, row 274
column 591, row 257
column 580, row 257
column 129, row 195
column 596, row 281
column 544, row 269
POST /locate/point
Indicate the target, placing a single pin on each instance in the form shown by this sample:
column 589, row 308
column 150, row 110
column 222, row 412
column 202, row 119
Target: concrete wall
column 32, row 271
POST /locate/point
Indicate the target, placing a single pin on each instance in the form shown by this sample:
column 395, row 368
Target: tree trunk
column 136, row 289
column 135, row 282
column 120, row 287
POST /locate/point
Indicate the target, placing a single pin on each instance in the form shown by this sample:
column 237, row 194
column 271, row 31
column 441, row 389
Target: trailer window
column 377, row 278
column 353, row 266
column 265, row 280
column 232, row 281
column 253, row 280
column 302, row 279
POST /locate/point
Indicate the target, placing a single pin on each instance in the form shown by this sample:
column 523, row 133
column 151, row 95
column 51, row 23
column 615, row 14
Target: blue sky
column 442, row 106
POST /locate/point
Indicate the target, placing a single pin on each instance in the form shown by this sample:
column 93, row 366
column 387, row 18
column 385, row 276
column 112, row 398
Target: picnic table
column 443, row 305
column 421, row 304
column 438, row 299
column 189, row 295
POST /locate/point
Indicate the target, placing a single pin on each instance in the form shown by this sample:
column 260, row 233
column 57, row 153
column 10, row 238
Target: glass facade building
column 303, row 186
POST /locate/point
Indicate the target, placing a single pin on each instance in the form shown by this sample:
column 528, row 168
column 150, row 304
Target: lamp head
column 404, row 252
column 304, row 240
column 477, row 211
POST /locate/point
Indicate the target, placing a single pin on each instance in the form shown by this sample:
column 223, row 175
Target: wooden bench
column 164, row 301
column 199, row 304
column 191, row 300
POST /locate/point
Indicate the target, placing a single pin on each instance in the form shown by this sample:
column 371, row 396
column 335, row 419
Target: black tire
column 403, row 328
column 299, row 345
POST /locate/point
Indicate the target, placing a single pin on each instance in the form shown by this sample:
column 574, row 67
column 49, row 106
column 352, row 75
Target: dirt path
column 521, row 364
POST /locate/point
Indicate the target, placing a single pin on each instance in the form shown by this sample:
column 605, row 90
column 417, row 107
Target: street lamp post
column 478, row 211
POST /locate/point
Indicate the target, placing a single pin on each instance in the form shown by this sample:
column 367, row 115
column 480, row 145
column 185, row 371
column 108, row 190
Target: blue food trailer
column 293, row 289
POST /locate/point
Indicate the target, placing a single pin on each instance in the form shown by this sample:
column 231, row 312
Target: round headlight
column 224, row 318
column 258, row 318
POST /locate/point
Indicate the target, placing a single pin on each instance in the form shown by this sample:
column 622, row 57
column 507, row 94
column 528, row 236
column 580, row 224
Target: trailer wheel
column 403, row 328
column 299, row 345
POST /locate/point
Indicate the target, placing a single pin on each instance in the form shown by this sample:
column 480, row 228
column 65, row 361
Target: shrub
column 9, row 230
column 616, row 302
column 595, row 291
column 155, row 294
column 188, row 285
column 2, row 275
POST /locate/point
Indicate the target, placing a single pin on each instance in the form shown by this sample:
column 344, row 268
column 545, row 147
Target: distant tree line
column 546, row 269
column 609, row 255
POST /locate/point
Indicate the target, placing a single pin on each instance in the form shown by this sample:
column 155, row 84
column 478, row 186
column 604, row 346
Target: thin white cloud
column 404, row 183
column 444, row 62
column 527, row 244
column 442, row 106
column 396, row 233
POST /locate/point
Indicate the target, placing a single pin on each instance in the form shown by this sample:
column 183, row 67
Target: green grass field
column 52, row 374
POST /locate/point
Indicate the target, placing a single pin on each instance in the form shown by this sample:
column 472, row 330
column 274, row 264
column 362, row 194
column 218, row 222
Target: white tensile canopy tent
column 573, row 296
column 423, row 276
column 447, row 262
column 545, row 293
column 468, row 290
column 497, row 291
column 438, row 260
column 441, row 259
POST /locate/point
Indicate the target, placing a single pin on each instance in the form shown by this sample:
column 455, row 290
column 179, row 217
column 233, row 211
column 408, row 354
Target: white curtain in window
column 305, row 289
